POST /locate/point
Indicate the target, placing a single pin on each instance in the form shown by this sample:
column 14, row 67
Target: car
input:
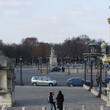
column 43, row 80
column 55, row 69
column 106, row 81
column 77, row 81
column 87, row 82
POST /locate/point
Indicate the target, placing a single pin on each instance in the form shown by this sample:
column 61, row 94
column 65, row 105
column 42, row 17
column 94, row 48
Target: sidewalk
column 33, row 98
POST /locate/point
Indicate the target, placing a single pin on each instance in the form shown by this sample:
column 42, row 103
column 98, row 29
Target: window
column 39, row 78
column 45, row 78
column 35, row 78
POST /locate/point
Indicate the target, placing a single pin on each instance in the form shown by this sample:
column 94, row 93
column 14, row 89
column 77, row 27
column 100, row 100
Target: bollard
column 44, row 108
column 101, row 107
column 4, row 107
column 83, row 107
column 23, row 108
column 64, row 108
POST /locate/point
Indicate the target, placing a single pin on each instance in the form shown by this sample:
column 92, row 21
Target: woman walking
column 54, row 100
column 50, row 100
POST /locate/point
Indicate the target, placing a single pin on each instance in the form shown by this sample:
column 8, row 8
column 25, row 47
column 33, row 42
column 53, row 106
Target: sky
column 53, row 21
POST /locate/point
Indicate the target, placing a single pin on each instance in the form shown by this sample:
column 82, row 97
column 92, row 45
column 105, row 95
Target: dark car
column 76, row 81
column 55, row 69
column 104, row 82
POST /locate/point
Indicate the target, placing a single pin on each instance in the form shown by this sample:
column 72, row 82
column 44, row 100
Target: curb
column 103, row 97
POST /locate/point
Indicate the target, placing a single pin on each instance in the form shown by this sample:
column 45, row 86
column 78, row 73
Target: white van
column 43, row 80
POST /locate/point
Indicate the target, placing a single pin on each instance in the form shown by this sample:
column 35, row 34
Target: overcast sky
column 53, row 21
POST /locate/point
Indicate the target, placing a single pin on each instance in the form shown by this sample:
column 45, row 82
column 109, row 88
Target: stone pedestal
column 53, row 62
column 7, row 96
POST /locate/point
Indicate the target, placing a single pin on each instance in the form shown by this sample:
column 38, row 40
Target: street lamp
column 106, row 69
column 109, row 27
column 47, row 65
column 20, row 59
column 100, row 80
column 85, row 70
column 40, row 64
column 68, row 65
column 91, row 80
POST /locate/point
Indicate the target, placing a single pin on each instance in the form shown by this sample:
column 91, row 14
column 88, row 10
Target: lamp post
column 47, row 65
column 100, row 80
column 91, row 81
column 106, row 69
column 109, row 27
column 68, row 65
column 20, row 59
column 85, row 71
column 40, row 64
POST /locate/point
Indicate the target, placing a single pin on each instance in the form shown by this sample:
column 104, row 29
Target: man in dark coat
column 60, row 100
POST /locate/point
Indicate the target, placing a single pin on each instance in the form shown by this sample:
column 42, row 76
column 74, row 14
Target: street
column 61, row 77
column 34, row 97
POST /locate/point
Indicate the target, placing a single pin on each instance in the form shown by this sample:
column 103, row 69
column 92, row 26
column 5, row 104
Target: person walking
column 54, row 100
column 63, row 69
column 50, row 100
column 60, row 100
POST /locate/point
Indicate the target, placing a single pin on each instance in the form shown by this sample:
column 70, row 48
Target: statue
column 52, row 55
column 53, row 58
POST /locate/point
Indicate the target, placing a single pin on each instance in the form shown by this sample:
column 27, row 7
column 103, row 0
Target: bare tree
column 41, row 50
column 29, row 45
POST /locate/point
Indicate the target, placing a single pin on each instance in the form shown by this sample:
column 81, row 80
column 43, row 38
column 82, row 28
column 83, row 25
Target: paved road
column 34, row 97
column 61, row 77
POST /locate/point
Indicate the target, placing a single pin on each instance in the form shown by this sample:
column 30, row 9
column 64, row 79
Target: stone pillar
column 64, row 108
column 101, row 107
column 83, row 107
column 7, row 96
column 3, row 79
column 108, row 95
column 44, row 108
column 6, row 81
column 23, row 108
column 4, row 107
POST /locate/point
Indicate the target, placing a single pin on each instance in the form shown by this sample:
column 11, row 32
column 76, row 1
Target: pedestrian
column 50, row 100
column 60, row 100
column 54, row 100
column 63, row 69
column 18, row 69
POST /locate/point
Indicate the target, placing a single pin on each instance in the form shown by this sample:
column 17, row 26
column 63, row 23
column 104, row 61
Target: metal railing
column 45, row 108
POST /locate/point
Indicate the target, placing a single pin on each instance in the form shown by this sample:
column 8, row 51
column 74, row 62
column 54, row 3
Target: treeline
column 30, row 49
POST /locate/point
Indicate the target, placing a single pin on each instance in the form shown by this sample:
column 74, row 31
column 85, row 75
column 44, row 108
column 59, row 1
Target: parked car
column 43, row 80
column 76, row 81
column 55, row 69
column 107, row 80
